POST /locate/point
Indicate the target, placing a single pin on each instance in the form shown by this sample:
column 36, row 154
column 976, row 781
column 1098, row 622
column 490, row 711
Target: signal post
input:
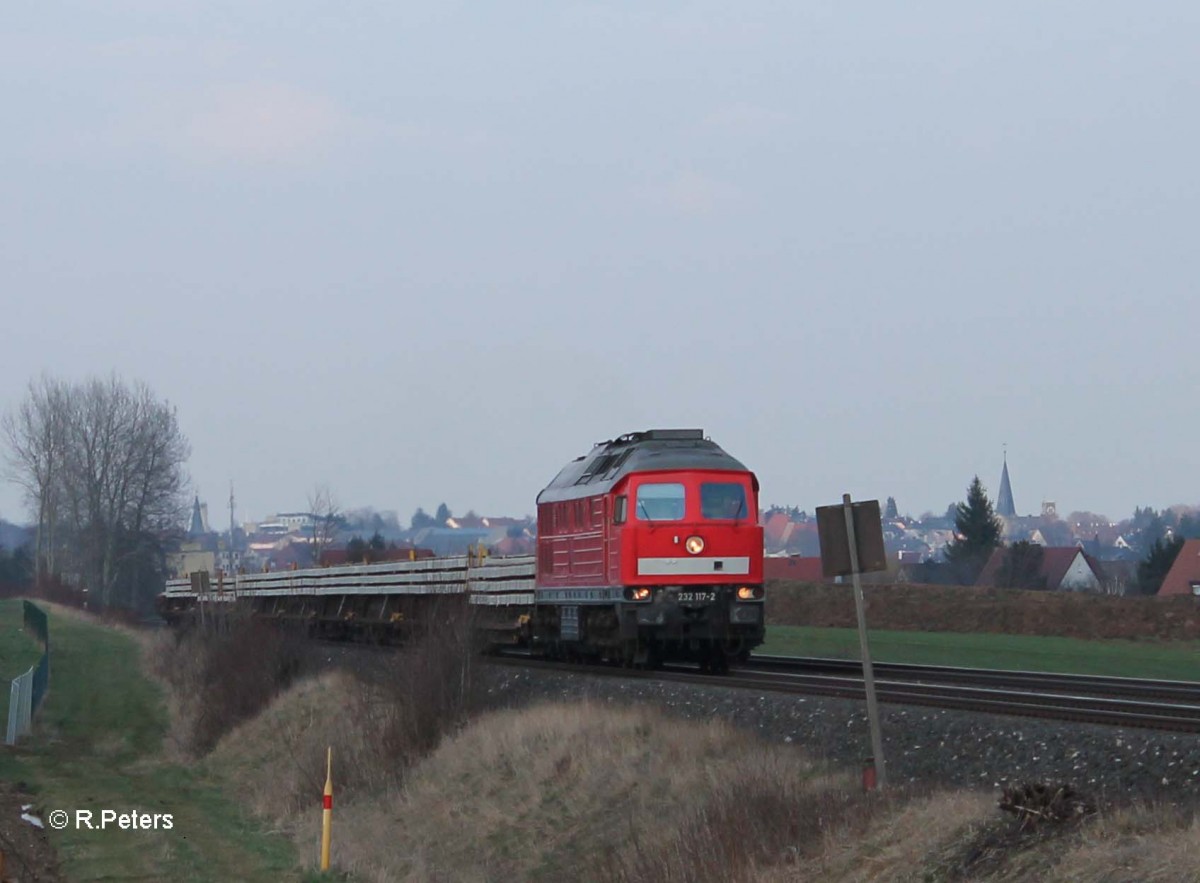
column 851, row 537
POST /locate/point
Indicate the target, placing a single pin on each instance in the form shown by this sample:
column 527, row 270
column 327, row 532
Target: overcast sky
column 431, row 251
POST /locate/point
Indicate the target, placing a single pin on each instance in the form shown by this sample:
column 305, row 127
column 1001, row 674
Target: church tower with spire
column 196, row 528
column 1005, row 507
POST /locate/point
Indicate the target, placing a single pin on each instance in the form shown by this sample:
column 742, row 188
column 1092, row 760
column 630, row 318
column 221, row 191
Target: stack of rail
column 372, row 598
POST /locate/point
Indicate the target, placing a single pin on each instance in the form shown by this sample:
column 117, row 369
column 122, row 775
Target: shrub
column 223, row 673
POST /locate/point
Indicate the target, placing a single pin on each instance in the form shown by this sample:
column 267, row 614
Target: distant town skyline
column 993, row 488
column 12, row 509
column 219, row 510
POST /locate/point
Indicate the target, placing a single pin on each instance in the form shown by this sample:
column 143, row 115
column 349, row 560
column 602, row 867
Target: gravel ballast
column 923, row 746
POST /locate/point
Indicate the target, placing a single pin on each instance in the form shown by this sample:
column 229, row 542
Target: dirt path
column 28, row 855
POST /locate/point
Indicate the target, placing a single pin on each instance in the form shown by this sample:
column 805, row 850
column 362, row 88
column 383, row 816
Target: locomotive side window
column 659, row 502
column 722, row 499
column 619, row 510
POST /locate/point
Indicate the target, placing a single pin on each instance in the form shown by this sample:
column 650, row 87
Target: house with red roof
column 1062, row 568
column 782, row 534
column 1184, row 576
column 774, row 527
column 798, row 567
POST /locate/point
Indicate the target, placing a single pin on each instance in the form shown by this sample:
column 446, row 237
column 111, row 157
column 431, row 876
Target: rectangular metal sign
column 835, row 547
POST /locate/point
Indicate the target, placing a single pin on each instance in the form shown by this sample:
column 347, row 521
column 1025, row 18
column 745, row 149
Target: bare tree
column 326, row 519
column 36, row 435
column 103, row 463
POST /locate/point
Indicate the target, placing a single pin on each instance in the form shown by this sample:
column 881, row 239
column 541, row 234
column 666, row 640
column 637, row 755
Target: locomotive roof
column 608, row 462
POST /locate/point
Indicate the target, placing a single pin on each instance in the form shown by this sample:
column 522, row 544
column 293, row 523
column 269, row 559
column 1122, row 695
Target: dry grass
column 589, row 792
column 1144, row 844
column 77, row 614
column 763, row 819
column 596, row 793
column 592, row 792
column 276, row 761
column 145, row 637
column 378, row 721
column 960, row 836
column 899, row 845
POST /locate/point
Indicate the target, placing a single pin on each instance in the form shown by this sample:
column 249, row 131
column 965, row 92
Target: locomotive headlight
column 748, row 593
column 694, row 545
column 639, row 594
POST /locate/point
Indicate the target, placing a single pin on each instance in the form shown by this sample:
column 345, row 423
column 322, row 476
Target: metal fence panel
column 20, row 707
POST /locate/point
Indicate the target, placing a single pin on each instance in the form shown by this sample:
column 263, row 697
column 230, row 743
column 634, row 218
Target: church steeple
column 1004, row 502
column 197, row 526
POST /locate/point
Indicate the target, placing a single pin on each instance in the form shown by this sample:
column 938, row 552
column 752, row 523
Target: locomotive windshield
column 722, row 499
column 660, row 502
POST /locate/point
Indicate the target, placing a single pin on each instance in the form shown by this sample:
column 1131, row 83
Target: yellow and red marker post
column 327, row 812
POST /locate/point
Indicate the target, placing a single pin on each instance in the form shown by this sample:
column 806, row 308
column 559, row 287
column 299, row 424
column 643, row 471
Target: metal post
column 27, row 702
column 868, row 670
column 14, row 713
column 327, row 812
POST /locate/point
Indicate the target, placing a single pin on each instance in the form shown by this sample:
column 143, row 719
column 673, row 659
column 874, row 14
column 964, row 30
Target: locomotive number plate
column 696, row 597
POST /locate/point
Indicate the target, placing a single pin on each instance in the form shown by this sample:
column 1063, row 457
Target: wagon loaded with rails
column 648, row 549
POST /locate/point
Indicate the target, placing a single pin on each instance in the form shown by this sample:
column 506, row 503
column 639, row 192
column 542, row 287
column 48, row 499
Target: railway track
column 1180, row 692
column 1127, row 702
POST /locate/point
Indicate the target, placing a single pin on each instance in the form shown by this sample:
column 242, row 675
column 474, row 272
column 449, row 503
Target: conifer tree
column 978, row 533
column 1022, row 567
column 1153, row 569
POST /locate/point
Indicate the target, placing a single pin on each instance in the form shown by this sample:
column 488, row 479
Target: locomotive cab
column 649, row 549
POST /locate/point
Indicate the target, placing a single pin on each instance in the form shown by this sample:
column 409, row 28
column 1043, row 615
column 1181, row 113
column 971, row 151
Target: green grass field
column 97, row 744
column 1134, row 659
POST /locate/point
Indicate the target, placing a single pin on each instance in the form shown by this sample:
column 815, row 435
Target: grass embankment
column 225, row 683
column 596, row 793
column 1173, row 660
column 562, row 791
column 98, row 744
column 18, row 651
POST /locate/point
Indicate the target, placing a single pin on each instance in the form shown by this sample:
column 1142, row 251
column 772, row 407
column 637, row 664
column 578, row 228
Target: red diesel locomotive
column 649, row 549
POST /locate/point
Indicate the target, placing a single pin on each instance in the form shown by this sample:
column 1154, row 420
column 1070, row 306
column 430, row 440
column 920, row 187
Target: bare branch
column 102, row 466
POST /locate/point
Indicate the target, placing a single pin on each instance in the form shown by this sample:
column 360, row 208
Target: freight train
column 648, row 549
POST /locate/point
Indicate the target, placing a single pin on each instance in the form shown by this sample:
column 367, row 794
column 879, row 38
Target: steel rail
column 1187, row 692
